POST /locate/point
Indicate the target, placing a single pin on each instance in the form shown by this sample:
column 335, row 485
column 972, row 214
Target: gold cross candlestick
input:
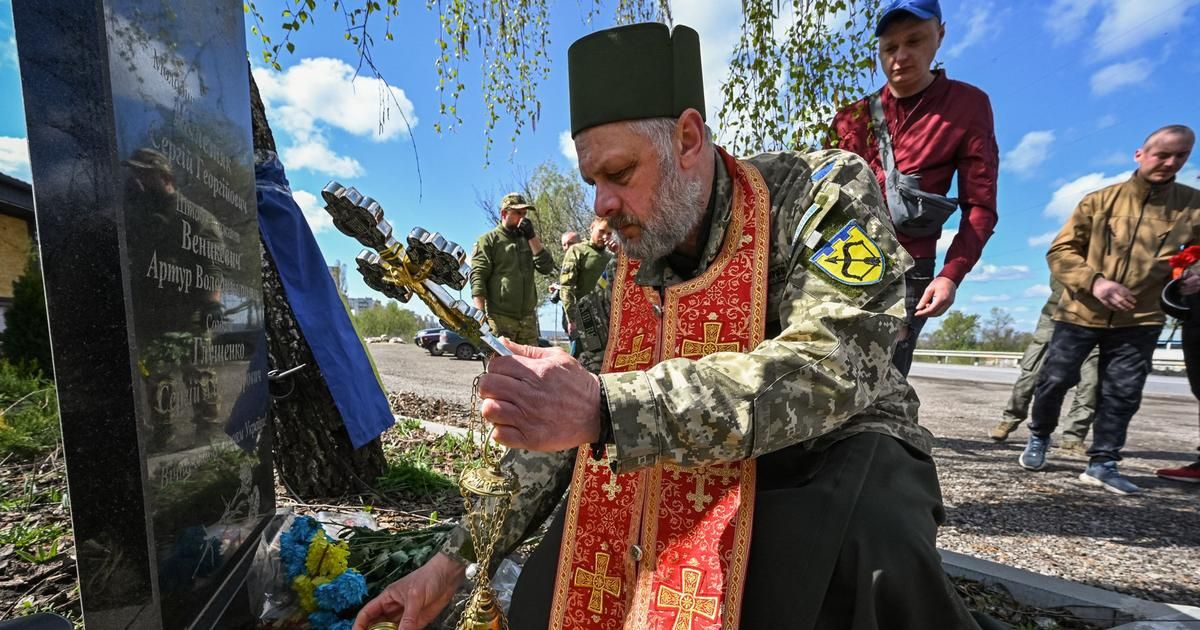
column 429, row 262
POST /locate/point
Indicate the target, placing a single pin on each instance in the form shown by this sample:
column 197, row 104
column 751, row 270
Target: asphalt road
column 406, row 368
column 949, row 394
column 1155, row 385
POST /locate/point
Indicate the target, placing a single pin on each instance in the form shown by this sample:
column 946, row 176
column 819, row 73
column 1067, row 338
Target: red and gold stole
column 666, row 547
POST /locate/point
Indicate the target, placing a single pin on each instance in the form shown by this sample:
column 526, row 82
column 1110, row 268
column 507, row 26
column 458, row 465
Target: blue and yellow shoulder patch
column 851, row 257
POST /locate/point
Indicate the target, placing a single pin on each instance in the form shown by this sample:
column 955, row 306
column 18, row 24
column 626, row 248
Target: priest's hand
column 540, row 399
column 414, row 600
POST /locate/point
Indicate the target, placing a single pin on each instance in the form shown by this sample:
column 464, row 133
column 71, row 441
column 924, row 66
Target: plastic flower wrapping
column 333, row 576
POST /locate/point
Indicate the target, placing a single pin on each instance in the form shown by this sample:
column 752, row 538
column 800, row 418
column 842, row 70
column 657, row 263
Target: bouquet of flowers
column 331, row 577
column 318, row 570
column 1184, row 259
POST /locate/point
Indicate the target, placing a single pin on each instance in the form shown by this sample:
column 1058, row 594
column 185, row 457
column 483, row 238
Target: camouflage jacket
column 582, row 267
column 502, row 266
column 823, row 373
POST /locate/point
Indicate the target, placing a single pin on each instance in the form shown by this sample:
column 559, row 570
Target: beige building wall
column 14, row 252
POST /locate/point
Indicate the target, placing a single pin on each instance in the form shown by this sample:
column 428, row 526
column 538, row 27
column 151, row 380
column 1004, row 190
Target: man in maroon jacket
column 937, row 127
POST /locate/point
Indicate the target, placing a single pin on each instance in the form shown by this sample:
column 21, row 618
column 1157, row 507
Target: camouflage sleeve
column 544, row 478
column 829, row 362
column 567, row 278
column 481, row 267
column 543, row 262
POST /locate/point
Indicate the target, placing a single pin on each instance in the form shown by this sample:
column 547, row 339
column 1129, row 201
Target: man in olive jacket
column 1112, row 256
column 502, row 267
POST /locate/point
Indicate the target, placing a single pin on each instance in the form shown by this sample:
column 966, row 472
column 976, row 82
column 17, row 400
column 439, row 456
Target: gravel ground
column 1047, row 522
column 1145, row 545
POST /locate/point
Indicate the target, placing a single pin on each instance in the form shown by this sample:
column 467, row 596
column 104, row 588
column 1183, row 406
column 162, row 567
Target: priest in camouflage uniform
column 749, row 456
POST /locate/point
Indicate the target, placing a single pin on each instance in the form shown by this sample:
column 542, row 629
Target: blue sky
column 1075, row 85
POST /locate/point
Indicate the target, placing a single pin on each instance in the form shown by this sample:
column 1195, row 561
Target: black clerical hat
column 632, row 72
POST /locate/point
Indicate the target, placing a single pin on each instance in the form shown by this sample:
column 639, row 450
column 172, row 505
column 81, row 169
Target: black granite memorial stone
column 138, row 117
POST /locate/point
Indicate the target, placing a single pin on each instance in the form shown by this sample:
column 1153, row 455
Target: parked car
column 427, row 338
column 451, row 342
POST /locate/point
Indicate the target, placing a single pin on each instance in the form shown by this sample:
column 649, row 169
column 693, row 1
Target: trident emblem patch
column 851, row 257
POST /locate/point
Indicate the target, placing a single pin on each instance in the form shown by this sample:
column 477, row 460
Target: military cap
column 514, row 201
column 149, row 159
column 633, row 72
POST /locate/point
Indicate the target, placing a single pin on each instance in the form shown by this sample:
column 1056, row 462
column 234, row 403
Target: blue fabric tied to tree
column 319, row 309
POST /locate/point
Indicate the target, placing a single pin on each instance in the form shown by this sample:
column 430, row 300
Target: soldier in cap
column 582, row 268
column 502, row 267
column 749, row 456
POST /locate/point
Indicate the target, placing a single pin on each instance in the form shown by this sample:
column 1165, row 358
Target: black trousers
column 1126, row 354
column 915, row 282
column 843, row 539
column 1191, row 355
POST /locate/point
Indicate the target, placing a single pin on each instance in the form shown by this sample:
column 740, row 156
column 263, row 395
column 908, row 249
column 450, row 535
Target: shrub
column 26, row 335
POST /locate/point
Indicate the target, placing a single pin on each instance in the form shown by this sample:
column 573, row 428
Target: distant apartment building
column 359, row 304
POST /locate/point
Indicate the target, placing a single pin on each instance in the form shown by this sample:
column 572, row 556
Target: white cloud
column 719, row 26
column 1063, row 201
column 945, row 239
column 989, row 299
column 566, row 146
column 14, row 157
column 10, row 51
column 1042, row 239
column 984, row 272
column 1037, row 291
column 1106, row 121
column 1065, row 18
column 1111, row 78
column 1030, row 152
column 980, row 22
column 315, row 155
column 1125, row 25
column 314, row 210
column 323, row 92
column 1128, row 24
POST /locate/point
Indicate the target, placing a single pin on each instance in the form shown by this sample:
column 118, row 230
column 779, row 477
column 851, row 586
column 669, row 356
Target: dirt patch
column 409, row 405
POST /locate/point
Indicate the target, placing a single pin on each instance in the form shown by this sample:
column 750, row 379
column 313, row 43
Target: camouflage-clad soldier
column 582, row 267
column 592, row 310
column 502, row 266
column 1084, row 403
column 845, row 499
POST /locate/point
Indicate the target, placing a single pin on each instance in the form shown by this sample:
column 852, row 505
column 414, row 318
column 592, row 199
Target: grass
column 28, row 413
column 31, row 496
column 422, row 464
column 34, row 542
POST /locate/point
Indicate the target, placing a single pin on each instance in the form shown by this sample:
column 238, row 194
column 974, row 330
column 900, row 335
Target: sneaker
column 1034, row 455
column 1188, row 474
column 1000, row 432
column 1105, row 475
column 1073, row 448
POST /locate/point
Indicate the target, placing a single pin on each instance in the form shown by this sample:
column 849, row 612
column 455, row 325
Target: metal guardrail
column 976, row 356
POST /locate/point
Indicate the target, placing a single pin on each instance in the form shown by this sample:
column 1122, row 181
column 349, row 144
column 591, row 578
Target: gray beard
column 677, row 212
